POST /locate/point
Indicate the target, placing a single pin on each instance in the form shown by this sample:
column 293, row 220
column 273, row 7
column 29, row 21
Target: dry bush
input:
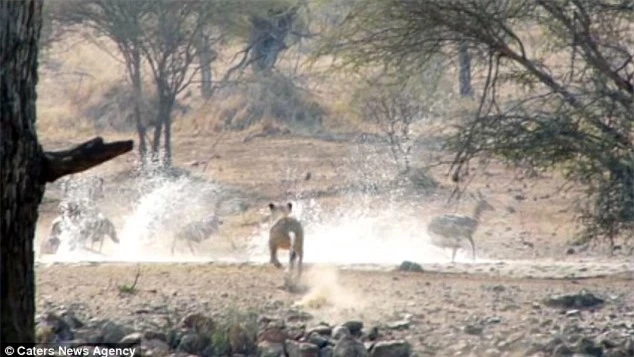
column 274, row 97
column 115, row 108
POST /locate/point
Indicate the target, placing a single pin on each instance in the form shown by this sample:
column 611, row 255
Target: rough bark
column 205, row 55
column 22, row 192
column 267, row 38
column 156, row 140
column 138, row 100
column 25, row 168
column 167, row 122
column 464, row 74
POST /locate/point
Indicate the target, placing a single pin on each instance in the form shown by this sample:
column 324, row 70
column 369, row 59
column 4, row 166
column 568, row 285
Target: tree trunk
column 167, row 146
column 464, row 74
column 156, row 140
column 166, row 104
column 21, row 157
column 205, row 57
column 138, row 100
column 25, row 168
column 267, row 38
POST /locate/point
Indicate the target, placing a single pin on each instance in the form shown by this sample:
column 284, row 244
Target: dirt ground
column 490, row 307
column 433, row 311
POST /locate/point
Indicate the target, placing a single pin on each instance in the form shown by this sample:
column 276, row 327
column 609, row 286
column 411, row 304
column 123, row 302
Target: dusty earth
column 474, row 314
column 495, row 306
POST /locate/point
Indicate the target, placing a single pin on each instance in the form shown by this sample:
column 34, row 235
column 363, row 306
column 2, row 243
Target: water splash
column 385, row 235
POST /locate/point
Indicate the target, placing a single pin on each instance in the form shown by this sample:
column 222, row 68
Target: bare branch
column 57, row 164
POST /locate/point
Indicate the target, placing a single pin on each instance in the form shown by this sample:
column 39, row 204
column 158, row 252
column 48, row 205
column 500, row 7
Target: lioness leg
column 273, row 251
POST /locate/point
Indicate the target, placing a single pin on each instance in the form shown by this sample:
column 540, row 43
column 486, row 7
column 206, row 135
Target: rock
column 112, row 332
column 274, row 332
column 582, row 300
column 373, row 334
column 396, row 348
column 131, row 339
column 295, row 332
column 473, row 329
column 317, row 339
column 155, row 347
column 174, row 337
column 301, row 349
column 270, row 349
column 199, row 323
column 348, row 346
column 562, row 350
column 298, row 316
column 354, row 327
column 154, row 335
column 398, row 325
column 327, row 351
column 51, row 328
column 192, row 342
column 324, row 330
column 587, row 347
column 340, row 332
column 410, row 266
column 69, row 317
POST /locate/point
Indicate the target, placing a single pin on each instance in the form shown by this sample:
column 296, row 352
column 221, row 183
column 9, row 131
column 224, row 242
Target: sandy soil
column 435, row 308
column 490, row 307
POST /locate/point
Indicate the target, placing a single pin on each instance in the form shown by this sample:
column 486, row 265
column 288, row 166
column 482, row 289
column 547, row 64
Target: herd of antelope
column 86, row 224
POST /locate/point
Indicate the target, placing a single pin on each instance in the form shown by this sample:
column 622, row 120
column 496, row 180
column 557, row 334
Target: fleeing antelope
column 451, row 230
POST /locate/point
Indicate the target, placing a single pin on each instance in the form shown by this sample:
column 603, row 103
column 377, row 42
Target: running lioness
column 280, row 236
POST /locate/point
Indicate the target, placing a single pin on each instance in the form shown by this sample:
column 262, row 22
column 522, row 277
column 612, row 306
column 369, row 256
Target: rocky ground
column 245, row 310
column 536, row 295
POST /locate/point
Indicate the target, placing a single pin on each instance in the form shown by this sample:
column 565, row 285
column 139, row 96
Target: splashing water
column 147, row 232
column 358, row 231
column 358, row 236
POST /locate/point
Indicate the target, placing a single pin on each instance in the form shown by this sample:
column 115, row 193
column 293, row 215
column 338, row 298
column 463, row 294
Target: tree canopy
column 557, row 88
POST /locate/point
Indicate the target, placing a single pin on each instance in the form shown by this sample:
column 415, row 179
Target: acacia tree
column 570, row 106
column 119, row 21
column 170, row 47
column 25, row 167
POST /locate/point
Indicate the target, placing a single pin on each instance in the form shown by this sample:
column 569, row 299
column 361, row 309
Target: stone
column 354, row 327
column 270, row 349
column 194, row 343
column 473, row 329
column 395, row 348
column 398, row 325
column 373, row 334
column 317, row 339
column 51, row 328
column 157, row 347
column 339, row 332
column 301, row 349
column 327, row 351
column 274, row 332
column 112, row 332
column 348, row 346
column 582, row 300
column 322, row 329
column 587, row 347
column 199, row 323
column 410, row 267
column 131, row 339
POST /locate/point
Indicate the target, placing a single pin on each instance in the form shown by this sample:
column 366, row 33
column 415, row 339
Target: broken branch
column 82, row 157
